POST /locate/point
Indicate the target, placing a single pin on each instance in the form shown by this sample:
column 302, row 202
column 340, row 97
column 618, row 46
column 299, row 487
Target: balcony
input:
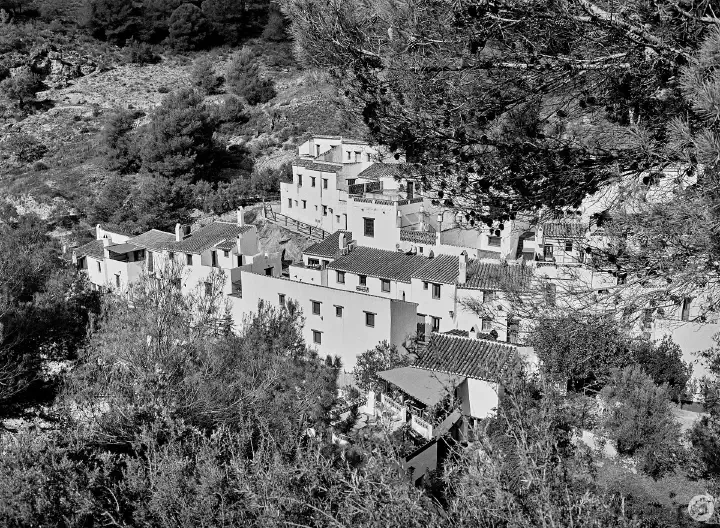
column 396, row 410
column 363, row 289
column 421, row 427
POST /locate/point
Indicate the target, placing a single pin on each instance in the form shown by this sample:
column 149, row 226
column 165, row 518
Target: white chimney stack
column 241, row 216
column 106, row 241
column 98, row 232
column 341, row 241
column 462, row 275
column 178, row 232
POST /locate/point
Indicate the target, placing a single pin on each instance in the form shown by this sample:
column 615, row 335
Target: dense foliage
column 45, row 307
column 243, row 79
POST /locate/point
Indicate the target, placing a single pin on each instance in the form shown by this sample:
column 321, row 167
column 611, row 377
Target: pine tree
column 243, row 78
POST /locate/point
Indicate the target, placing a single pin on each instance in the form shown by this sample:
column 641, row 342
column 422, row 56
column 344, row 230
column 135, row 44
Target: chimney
column 106, row 241
column 178, row 232
column 241, row 216
column 398, row 219
column 341, row 241
column 462, row 275
column 410, row 190
column 98, row 232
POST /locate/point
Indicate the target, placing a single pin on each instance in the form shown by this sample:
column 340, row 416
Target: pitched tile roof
column 466, row 356
column 209, row 236
column 154, row 239
column 564, row 230
column 93, row 249
column 496, row 276
column 379, row 263
column 322, row 166
column 330, row 247
column 382, row 170
column 443, row 269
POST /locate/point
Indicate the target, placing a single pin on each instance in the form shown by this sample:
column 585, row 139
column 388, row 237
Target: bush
column 227, row 18
column 230, row 110
column 663, row 363
column 639, row 419
column 189, row 28
column 21, row 87
column 275, row 30
column 203, row 75
column 141, row 53
column 25, row 147
column 243, row 79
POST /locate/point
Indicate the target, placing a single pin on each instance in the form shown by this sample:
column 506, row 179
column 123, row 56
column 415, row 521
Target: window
column 548, row 251
column 299, row 180
column 100, row 267
column 269, row 271
column 317, row 337
column 369, row 319
column 312, row 181
column 494, row 241
column 436, row 291
column 281, row 299
column 226, row 253
column 489, row 296
column 139, row 255
column 363, row 280
column 338, row 311
column 357, row 157
column 513, row 330
column 385, row 285
column 435, row 324
column 117, row 280
column 685, row 315
column 369, row 227
column 188, row 259
column 289, row 203
column 350, row 181
column 213, row 259
column 341, row 277
column 368, row 157
column 313, row 263
column 304, row 204
column 239, row 260
column 296, row 203
column 208, row 288
column 325, row 183
column 149, row 262
column 337, row 218
column 486, row 325
column 647, row 319
column 349, row 155
column 171, row 256
column 568, row 246
column 425, row 285
column 324, row 210
column 421, row 250
column 315, row 307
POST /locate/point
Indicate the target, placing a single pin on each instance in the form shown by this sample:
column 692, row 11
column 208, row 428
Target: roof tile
column 497, row 276
column 330, row 247
column 391, row 265
column 322, row 166
column 154, row 239
column 94, row 249
column 443, row 269
column 382, row 170
column 466, row 356
column 218, row 234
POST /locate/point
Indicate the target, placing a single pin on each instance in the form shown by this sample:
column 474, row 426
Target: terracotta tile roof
column 322, row 166
column 208, row 236
column 227, row 245
column 154, row 239
column 442, row 269
column 93, row 249
column 466, row 356
column 330, row 247
column 382, row 170
column 496, row 276
column 373, row 262
column 564, row 230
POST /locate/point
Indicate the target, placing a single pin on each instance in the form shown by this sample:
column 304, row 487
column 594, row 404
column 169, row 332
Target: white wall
column 478, row 398
column 346, row 336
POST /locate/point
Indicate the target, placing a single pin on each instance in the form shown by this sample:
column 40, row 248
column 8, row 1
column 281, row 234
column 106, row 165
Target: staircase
column 293, row 225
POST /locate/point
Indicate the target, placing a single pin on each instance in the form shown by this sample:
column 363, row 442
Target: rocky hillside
column 83, row 88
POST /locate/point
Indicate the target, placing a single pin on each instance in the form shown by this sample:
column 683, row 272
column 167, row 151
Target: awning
column 426, row 386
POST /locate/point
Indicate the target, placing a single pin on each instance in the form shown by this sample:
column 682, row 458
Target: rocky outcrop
column 55, row 68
